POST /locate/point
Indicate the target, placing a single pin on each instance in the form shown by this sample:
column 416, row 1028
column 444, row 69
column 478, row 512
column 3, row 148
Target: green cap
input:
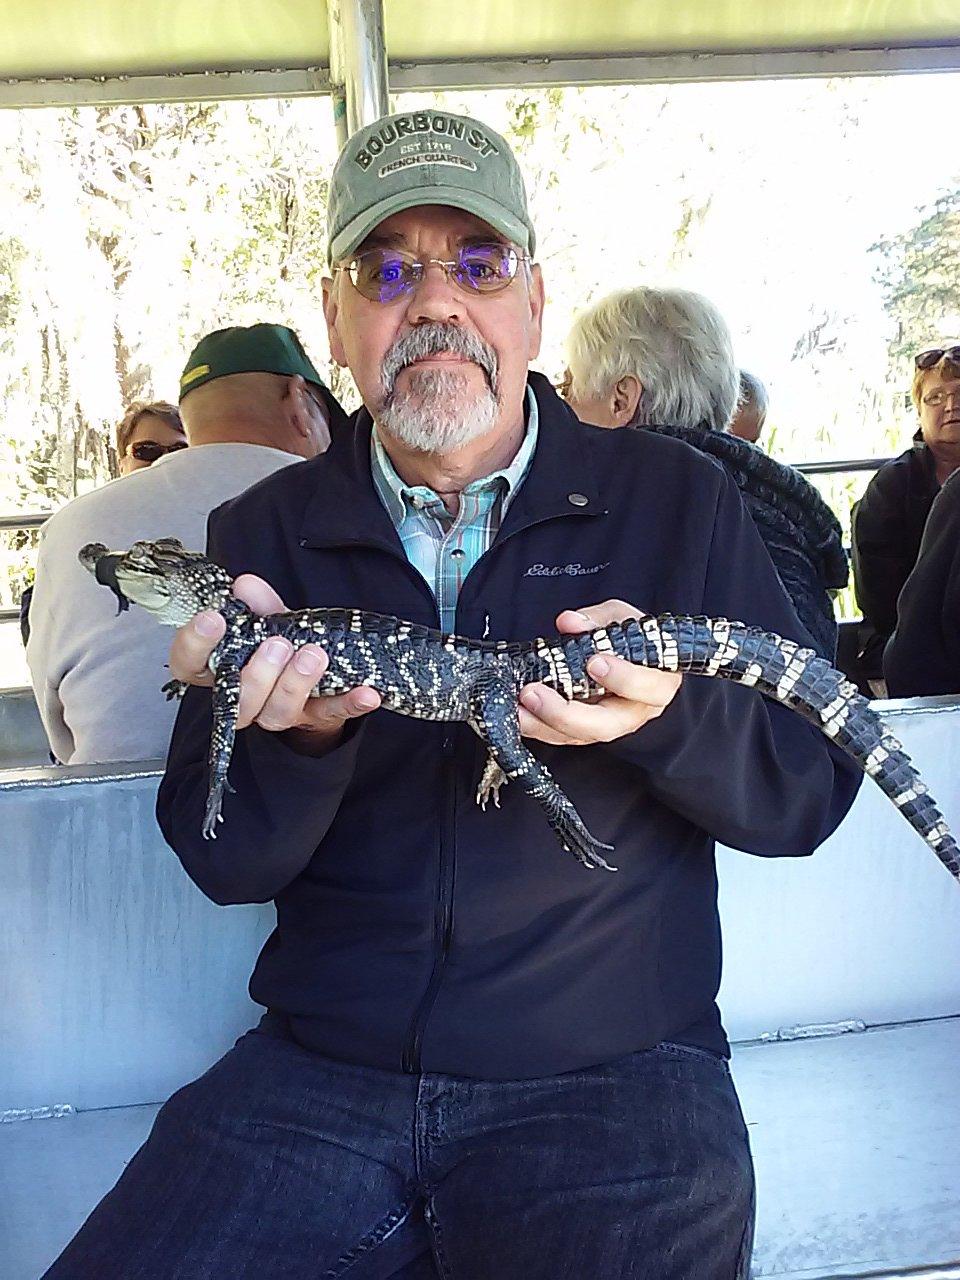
column 261, row 348
column 425, row 157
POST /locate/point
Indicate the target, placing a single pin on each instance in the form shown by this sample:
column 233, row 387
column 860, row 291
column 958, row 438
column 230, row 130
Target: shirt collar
column 398, row 497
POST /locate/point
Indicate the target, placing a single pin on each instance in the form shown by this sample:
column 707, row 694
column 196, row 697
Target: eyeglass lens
column 150, row 450
column 383, row 275
column 927, row 359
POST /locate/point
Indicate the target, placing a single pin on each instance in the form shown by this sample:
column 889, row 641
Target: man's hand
column 275, row 684
column 633, row 695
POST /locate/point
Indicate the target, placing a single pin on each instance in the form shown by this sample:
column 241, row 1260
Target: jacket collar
column 344, row 510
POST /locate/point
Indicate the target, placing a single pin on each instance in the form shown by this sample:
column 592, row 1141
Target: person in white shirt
column 251, row 402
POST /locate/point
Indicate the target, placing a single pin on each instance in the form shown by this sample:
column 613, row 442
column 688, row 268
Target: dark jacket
column 415, row 931
column 887, row 525
column 801, row 533
column 923, row 655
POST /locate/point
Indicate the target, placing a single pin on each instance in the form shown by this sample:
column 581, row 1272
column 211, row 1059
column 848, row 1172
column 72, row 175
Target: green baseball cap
column 425, row 157
column 261, row 348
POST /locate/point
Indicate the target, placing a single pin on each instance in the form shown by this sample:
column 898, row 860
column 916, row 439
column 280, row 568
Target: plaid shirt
column 442, row 547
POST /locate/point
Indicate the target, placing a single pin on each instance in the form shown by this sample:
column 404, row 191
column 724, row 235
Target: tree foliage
column 126, row 232
column 919, row 273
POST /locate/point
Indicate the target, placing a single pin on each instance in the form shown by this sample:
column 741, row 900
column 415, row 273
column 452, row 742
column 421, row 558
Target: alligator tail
column 785, row 672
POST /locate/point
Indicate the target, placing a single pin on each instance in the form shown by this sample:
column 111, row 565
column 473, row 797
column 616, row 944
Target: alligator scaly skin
column 420, row 672
column 423, row 673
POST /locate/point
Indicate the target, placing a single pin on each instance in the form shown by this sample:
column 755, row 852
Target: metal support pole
column 358, row 65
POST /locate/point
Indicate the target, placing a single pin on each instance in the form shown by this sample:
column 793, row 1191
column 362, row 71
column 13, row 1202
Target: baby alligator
column 419, row 672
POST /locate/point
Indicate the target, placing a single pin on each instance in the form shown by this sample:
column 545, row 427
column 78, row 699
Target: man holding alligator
column 480, row 1061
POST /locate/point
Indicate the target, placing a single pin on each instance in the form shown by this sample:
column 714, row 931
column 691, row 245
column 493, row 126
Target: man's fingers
column 329, row 713
column 258, row 594
column 591, row 616
column 581, row 722
column 194, row 642
column 531, row 726
column 641, row 695
column 649, row 685
column 192, row 646
column 276, row 683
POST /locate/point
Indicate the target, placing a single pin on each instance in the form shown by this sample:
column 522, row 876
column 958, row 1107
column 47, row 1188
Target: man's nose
column 436, row 298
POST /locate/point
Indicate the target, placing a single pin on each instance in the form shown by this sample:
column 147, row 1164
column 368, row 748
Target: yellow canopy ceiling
column 83, row 38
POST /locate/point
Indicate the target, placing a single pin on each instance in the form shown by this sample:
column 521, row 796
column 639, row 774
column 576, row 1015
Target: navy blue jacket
column 415, row 932
column 922, row 658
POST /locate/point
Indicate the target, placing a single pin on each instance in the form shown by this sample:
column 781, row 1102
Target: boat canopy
column 68, row 51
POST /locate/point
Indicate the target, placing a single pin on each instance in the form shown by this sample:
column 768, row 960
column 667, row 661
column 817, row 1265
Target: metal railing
column 33, row 520
column 837, row 468
column 942, row 1271
column 24, row 520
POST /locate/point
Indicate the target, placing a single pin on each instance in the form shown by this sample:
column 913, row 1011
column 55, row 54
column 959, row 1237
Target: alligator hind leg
column 493, row 717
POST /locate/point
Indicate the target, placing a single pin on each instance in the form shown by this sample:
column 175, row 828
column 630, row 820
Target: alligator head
column 171, row 583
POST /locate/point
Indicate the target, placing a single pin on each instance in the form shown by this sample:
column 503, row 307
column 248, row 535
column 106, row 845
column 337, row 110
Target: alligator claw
column 576, row 839
column 213, row 815
column 489, row 787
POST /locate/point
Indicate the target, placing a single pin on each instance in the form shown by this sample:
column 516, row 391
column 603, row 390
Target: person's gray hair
column 753, row 391
column 675, row 342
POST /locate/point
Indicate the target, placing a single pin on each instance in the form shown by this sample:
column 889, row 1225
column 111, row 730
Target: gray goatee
column 438, row 411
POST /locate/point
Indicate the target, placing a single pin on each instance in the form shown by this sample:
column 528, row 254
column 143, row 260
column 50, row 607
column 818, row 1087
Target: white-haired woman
column 662, row 359
column 643, row 356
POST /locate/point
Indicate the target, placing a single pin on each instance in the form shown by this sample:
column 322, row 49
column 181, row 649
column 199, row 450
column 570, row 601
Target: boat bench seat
column 119, row 982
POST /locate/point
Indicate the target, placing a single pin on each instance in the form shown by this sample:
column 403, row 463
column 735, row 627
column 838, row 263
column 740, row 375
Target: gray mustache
column 431, row 340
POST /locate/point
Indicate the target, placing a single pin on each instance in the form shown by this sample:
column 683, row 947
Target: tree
column 919, row 273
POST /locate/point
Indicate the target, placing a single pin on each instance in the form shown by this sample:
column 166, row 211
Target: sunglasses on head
column 927, row 359
column 150, row 450
column 384, row 275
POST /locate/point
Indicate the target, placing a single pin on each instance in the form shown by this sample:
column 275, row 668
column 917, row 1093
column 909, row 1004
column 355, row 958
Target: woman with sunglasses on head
column 146, row 433
column 888, row 521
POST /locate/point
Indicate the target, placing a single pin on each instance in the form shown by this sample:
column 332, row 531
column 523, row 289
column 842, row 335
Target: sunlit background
column 822, row 216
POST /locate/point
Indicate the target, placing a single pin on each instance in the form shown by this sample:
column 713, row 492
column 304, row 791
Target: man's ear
column 331, row 313
column 294, row 397
column 536, row 310
column 308, row 418
column 625, row 399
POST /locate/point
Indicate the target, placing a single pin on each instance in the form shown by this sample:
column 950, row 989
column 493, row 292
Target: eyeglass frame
column 447, row 265
column 153, row 444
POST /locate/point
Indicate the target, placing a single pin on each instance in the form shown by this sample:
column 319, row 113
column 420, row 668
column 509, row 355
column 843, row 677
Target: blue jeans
column 278, row 1163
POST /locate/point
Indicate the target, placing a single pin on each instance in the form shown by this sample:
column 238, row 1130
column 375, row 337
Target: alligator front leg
column 493, row 717
column 490, row 783
column 226, row 705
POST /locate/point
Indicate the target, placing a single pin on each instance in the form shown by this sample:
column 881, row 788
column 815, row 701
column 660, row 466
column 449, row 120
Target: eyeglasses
column 150, row 450
column 938, row 397
column 927, row 359
column 384, row 275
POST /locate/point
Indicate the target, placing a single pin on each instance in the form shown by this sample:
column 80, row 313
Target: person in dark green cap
column 261, row 388
column 251, row 402
column 479, row 1061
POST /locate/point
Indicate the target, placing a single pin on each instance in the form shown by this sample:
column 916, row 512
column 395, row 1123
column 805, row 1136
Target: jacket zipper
column 411, row 1060
column 443, row 913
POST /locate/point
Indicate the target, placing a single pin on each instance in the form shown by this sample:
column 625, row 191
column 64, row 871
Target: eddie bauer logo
column 564, row 570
